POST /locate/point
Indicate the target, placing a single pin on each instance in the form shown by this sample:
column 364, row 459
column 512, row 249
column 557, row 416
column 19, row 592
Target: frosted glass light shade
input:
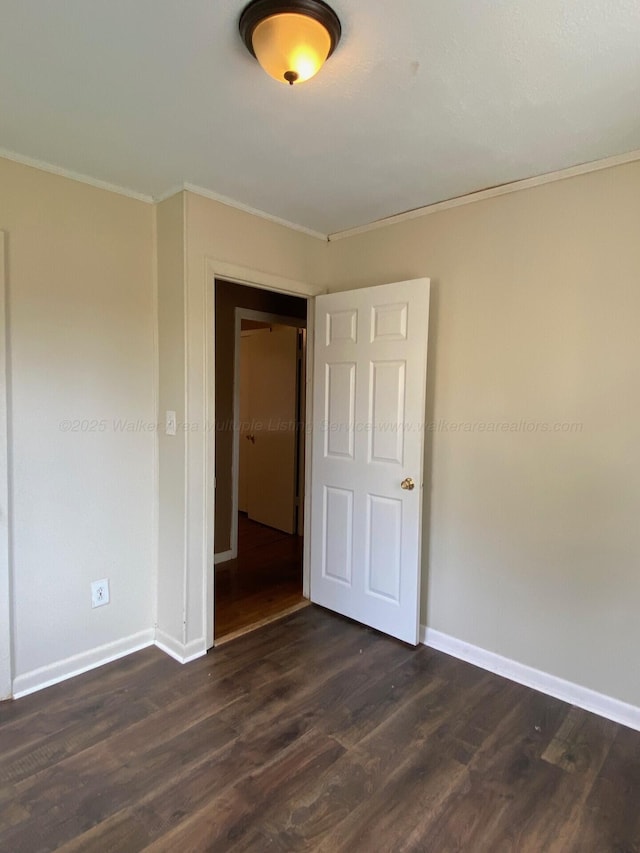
column 291, row 47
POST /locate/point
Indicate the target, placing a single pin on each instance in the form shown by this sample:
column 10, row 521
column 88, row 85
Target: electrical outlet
column 100, row 592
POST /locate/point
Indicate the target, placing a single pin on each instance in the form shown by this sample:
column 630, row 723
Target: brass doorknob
column 408, row 484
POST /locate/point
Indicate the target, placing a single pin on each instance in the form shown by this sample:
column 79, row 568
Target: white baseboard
column 53, row 673
column 224, row 557
column 179, row 651
column 567, row 691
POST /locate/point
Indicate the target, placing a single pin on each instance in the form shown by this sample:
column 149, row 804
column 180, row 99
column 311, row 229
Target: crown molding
column 74, row 176
column 237, row 205
column 148, row 199
column 416, row 213
column 158, row 199
column 254, row 211
column 492, row 192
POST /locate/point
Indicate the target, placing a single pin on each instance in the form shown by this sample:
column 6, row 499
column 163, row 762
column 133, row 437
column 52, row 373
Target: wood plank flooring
column 264, row 580
column 311, row 734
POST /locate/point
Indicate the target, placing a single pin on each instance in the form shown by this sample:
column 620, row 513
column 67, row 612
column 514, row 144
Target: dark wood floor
column 264, row 580
column 311, row 734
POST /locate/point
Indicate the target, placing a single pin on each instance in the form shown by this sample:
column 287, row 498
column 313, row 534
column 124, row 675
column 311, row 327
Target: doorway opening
column 260, row 451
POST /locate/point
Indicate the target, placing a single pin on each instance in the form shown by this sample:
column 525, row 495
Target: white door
column 272, row 443
column 370, row 363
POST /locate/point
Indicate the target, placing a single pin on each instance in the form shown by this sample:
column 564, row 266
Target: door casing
column 249, row 278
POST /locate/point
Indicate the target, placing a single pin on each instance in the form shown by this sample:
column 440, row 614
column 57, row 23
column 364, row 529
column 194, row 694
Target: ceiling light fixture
column 291, row 40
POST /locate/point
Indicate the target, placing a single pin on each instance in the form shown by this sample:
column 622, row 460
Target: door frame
column 221, row 270
column 262, row 317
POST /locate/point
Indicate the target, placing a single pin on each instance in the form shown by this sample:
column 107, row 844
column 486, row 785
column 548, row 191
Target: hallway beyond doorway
column 262, row 583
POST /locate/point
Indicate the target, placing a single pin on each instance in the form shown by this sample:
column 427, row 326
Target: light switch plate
column 170, row 423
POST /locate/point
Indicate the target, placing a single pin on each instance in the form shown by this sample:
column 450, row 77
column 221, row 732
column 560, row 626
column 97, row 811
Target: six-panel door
column 369, row 394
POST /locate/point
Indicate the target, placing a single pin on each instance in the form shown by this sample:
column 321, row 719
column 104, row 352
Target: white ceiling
column 423, row 100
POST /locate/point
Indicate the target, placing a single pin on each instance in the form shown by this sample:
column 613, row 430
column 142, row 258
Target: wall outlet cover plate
column 100, row 592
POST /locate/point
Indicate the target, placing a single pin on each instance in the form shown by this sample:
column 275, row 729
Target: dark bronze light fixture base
column 258, row 10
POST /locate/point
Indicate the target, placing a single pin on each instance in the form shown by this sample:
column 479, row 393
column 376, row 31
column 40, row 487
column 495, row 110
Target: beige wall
column 81, row 317
column 531, row 538
column 220, row 233
column 532, row 544
column 215, row 236
column 171, row 396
